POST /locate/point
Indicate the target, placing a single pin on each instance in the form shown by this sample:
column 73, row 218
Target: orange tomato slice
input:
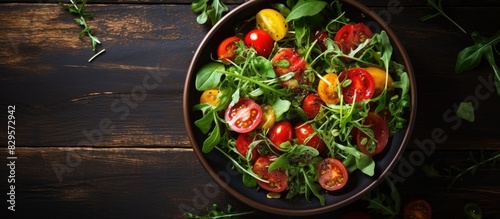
column 327, row 89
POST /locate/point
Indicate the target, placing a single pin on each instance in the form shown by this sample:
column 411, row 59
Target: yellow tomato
column 379, row 75
column 268, row 117
column 210, row 97
column 272, row 22
column 327, row 89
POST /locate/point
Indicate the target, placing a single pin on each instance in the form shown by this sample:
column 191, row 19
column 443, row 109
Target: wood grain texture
column 163, row 183
column 115, row 125
column 137, row 84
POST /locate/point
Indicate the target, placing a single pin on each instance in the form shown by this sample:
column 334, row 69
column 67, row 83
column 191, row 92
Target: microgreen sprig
column 454, row 173
column 82, row 20
column 214, row 213
column 436, row 4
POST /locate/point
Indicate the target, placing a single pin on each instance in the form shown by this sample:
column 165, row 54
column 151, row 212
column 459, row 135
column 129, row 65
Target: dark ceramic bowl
column 219, row 167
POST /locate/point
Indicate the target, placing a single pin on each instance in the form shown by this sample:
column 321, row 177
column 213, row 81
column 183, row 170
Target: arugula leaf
column 305, row 8
column 208, row 11
column 213, row 138
column 470, row 57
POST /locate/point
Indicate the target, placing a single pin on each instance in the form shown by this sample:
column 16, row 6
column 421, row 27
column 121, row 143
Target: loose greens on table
column 78, row 8
column 471, row 56
column 253, row 107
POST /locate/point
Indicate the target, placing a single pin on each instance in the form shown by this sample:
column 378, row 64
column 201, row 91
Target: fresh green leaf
column 470, row 57
column 213, row 139
column 208, row 10
column 280, row 107
column 281, row 163
column 205, row 123
column 209, row 76
column 466, row 111
column 198, row 6
column 305, row 8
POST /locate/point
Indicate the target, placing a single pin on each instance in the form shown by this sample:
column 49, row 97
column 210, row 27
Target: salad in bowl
column 301, row 101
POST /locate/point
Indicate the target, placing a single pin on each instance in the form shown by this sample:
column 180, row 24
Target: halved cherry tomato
column 360, row 87
column 272, row 22
column 210, row 96
column 305, row 134
column 312, row 105
column 351, row 35
column 289, row 60
column 278, row 180
column 280, row 133
column 327, row 88
column 381, row 134
column 244, row 116
column 243, row 142
column 379, row 75
column 333, row 174
column 226, row 48
column 355, row 215
column 261, row 41
column 417, row 209
column 268, row 117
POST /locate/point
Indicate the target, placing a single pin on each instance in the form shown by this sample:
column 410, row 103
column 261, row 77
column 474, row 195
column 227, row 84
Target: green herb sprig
column 470, row 57
column 215, row 213
column 81, row 19
column 383, row 204
column 454, row 173
column 436, row 4
column 208, row 10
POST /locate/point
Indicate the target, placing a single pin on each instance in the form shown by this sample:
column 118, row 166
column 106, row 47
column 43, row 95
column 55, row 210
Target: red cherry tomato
column 351, row 35
column 321, row 37
column 312, row 105
column 226, row 48
column 361, row 85
column 261, row 41
column 381, row 134
column 278, row 180
column 289, row 60
column 333, row 174
column 243, row 142
column 417, row 209
column 281, row 132
column 305, row 134
column 244, row 116
column 355, row 215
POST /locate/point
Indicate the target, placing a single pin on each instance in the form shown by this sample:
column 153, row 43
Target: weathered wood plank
column 406, row 3
column 161, row 183
column 59, row 95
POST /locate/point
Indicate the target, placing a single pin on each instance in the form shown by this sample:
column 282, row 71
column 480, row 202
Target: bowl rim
column 397, row 45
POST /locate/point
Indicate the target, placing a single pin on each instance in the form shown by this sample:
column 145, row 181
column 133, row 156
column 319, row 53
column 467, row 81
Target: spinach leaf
column 209, row 76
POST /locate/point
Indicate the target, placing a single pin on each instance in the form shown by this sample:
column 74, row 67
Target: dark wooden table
column 106, row 139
